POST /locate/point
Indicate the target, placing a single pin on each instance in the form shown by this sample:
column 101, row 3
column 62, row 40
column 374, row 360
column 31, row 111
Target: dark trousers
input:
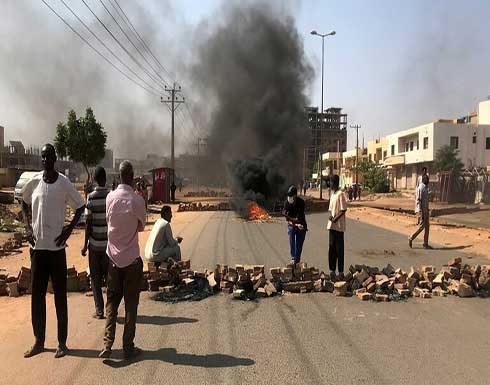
column 336, row 250
column 296, row 240
column 424, row 224
column 98, row 263
column 123, row 283
column 46, row 264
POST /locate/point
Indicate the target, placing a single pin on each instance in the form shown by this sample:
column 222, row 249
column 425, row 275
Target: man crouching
column 161, row 245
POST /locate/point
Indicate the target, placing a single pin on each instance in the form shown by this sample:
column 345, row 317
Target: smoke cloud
column 252, row 73
column 46, row 70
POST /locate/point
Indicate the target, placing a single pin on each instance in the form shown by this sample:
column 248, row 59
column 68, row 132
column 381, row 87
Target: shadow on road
column 445, row 247
column 170, row 355
column 158, row 320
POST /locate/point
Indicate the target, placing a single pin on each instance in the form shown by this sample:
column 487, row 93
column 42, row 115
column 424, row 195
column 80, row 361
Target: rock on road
column 311, row 338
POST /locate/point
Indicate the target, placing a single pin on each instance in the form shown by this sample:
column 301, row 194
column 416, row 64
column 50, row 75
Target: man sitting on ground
column 161, row 245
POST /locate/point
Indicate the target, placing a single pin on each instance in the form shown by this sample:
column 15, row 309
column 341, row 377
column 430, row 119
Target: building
column 328, row 133
column 350, row 160
column 405, row 153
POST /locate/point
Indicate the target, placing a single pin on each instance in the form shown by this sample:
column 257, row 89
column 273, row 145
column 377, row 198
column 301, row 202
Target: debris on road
column 198, row 206
column 247, row 282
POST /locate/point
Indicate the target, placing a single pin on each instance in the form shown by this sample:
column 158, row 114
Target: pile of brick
column 300, row 278
column 15, row 285
column 244, row 281
column 11, row 244
column 390, row 284
column 193, row 206
column 158, row 278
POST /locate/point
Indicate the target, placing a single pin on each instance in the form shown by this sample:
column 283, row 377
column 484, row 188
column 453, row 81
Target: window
column 335, row 165
column 474, row 138
column 392, row 149
column 417, row 144
column 454, row 142
column 426, row 143
column 406, row 147
column 488, row 143
column 385, row 154
column 411, row 146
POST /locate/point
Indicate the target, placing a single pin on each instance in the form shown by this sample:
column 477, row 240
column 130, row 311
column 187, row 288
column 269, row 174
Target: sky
column 392, row 65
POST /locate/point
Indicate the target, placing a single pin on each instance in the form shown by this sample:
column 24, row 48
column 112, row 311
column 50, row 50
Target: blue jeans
column 296, row 240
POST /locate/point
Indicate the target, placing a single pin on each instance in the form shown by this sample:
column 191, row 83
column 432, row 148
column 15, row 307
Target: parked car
column 24, row 177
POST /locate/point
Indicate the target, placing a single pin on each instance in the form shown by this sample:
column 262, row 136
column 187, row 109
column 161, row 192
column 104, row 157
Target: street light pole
column 320, row 160
column 357, row 127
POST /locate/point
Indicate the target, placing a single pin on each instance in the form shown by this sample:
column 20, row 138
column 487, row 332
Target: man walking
column 126, row 216
column 161, row 244
column 422, row 209
column 294, row 211
column 96, row 239
column 47, row 195
column 336, row 229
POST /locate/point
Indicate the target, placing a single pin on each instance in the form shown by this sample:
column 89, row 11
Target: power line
column 97, row 51
column 135, row 47
column 141, row 40
column 121, row 45
column 106, row 47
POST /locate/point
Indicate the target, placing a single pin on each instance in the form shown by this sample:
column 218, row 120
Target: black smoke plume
column 252, row 73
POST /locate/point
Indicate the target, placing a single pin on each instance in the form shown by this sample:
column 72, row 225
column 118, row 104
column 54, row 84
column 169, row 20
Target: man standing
column 126, row 214
column 161, row 244
column 173, row 187
column 336, row 229
column 47, row 195
column 294, row 211
column 96, row 239
column 422, row 209
column 419, row 179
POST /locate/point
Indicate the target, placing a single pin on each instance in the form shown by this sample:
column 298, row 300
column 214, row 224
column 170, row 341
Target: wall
column 471, row 154
column 416, row 156
column 484, row 112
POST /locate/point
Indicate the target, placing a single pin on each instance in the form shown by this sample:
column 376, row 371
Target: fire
column 257, row 213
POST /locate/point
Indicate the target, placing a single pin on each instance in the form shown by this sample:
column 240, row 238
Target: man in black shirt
column 294, row 211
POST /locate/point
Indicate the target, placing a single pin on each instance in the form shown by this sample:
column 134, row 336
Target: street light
column 315, row 33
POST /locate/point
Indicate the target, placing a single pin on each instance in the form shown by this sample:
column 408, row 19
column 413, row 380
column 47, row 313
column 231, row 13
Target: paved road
column 295, row 339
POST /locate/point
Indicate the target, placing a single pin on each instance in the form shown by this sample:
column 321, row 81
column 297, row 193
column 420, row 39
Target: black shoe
column 410, row 242
column 61, row 351
column 134, row 352
column 428, row 247
column 34, row 350
column 106, row 353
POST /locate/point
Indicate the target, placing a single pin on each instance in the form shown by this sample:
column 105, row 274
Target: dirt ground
column 473, row 241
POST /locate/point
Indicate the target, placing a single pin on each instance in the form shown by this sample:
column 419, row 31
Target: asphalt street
column 313, row 338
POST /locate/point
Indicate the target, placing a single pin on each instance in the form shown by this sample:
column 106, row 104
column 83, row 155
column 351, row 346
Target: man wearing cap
column 46, row 196
column 294, row 211
column 96, row 239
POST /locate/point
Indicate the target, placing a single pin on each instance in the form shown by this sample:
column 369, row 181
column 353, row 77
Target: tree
column 81, row 139
column 374, row 177
column 446, row 159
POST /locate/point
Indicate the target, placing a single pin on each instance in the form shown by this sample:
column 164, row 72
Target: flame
column 257, row 213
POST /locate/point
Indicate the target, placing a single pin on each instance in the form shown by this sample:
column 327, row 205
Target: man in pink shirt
column 126, row 215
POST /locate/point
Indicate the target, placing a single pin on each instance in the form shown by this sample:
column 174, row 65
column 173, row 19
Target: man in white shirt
column 422, row 211
column 47, row 195
column 161, row 245
column 336, row 228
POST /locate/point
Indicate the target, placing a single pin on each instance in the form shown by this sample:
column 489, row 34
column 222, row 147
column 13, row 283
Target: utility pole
column 357, row 127
column 173, row 101
column 199, row 141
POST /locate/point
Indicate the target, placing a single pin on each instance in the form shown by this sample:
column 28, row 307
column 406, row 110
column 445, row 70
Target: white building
column 410, row 150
